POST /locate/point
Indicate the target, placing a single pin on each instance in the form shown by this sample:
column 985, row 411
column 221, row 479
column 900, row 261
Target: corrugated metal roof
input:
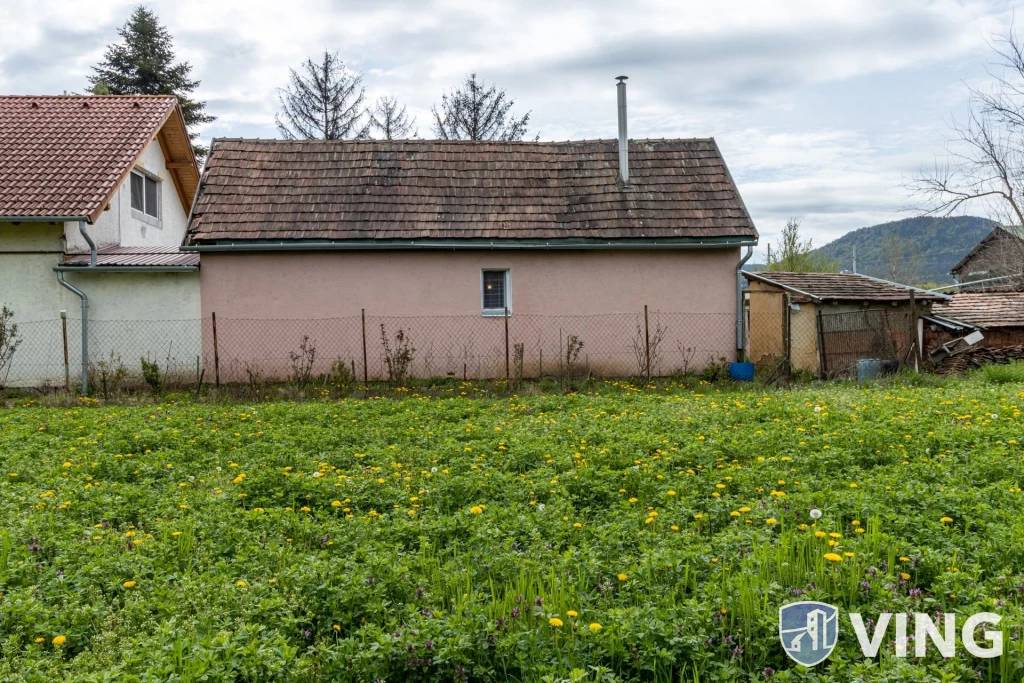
column 137, row 256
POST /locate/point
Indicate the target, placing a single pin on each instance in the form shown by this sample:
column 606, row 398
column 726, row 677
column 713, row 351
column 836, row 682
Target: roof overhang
column 126, row 269
column 928, row 295
column 42, row 219
column 949, row 323
column 474, row 244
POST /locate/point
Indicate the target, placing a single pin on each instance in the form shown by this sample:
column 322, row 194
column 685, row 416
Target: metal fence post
column 366, row 379
column 647, row 345
column 67, row 367
column 216, row 352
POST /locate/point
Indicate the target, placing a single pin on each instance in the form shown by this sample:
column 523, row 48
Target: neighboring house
column 119, row 171
column 999, row 316
column 834, row 319
column 453, row 234
column 996, row 263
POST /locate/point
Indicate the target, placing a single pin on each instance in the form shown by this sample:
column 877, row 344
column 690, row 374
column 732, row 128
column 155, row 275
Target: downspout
column 740, row 337
column 85, row 305
column 85, row 329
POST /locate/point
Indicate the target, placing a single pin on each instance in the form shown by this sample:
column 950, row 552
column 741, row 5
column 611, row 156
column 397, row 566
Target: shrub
column 151, row 373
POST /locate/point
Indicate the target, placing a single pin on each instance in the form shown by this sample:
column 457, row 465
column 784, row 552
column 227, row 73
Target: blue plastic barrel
column 741, row 372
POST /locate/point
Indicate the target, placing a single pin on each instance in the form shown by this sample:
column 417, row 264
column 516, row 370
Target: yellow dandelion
column 771, row 521
column 595, row 627
column 833, row 557
column 555, row 622
column 129, row 584
column 946, row 520
column 572, row 614
column 59, row 640
column 622, row 576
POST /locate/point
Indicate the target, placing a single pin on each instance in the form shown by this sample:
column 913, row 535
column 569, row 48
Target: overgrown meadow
column 627, row 535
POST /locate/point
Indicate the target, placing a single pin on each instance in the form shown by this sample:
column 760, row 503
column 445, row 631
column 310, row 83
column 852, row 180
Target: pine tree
column 324, row 102
column 477, row 112
column 390, row 120
column 144, row 65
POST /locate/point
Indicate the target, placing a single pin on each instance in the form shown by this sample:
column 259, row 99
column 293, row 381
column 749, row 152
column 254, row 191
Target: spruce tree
column 474, row 111
column 143, row 64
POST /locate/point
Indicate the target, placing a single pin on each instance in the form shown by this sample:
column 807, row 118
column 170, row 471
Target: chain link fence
column 228, row 350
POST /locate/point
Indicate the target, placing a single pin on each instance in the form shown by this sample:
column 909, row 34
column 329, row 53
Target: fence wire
column 471, row 347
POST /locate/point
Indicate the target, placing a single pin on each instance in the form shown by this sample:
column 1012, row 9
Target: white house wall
column 120, row 225
column 131, row 314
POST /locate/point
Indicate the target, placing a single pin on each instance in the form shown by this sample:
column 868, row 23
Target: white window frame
column 496, row 312
column 142, row 215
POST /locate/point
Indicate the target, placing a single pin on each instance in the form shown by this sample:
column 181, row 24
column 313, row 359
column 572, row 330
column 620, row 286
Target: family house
column 94, row 199
column 458, row 239
column 825, row 322
column 996, row 263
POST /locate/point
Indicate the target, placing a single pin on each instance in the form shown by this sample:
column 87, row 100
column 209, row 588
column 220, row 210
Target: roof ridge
column 462, row 142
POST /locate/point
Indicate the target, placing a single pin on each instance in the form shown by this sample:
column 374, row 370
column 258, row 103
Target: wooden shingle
column 421, row 189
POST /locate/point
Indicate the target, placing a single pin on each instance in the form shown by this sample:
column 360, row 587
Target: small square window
column 495, row 292
column 145, row 194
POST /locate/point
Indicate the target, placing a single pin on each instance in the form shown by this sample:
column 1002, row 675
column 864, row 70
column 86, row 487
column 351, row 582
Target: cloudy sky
column 823, row 109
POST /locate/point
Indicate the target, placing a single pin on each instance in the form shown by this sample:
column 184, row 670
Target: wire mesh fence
column 226, row 350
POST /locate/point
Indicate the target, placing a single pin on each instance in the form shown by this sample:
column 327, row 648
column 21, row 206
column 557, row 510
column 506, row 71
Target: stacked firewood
column 975, row 357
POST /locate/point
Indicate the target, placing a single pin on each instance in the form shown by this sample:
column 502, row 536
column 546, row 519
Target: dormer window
column 145, row 194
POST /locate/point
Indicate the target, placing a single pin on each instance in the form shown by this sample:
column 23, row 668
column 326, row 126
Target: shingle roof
column 417, row 189
column 989, row 310
column 65, row 156
column 843, row 287
column 136, row 256
column 996, row 232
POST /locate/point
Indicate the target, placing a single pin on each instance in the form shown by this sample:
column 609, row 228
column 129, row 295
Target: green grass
column 434, row 538
column 1003, row 374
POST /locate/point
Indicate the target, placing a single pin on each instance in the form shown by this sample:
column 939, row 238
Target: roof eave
column 496, row 244
column 85, row 268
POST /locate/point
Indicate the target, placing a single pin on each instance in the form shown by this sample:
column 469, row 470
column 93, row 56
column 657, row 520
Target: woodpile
column 974, row 357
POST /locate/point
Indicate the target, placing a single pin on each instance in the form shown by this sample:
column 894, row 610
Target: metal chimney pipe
column 623, row 136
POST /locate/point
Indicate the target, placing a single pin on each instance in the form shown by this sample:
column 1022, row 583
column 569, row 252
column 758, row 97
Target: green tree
column 143, row 64
column 793, row 255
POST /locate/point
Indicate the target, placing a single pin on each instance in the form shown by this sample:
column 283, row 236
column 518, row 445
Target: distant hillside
column 943, row 242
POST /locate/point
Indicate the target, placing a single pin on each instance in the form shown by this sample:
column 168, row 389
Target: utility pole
column 855, row 259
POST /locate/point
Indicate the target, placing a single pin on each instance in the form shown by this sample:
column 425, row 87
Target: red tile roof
column 65, row 156
column 842, row 287
column 137, row 256
column 988, row 310
column 438, row 190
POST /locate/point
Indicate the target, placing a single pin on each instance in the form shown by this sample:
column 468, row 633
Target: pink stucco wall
column 260, row 299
